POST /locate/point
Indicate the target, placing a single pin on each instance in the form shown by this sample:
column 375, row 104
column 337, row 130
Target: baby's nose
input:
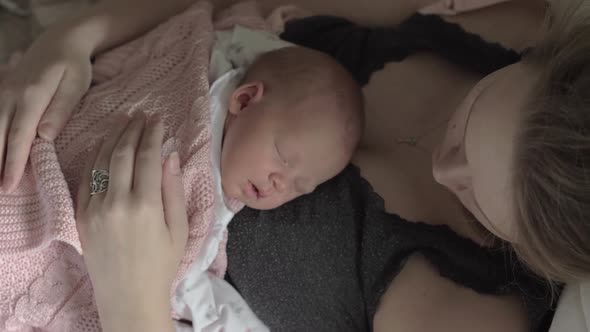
column 278, row 182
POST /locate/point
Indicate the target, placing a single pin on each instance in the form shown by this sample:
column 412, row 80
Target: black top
column 364, row 50
column 322, row 262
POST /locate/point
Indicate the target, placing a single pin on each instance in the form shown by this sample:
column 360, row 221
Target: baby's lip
column 251, row 191
column 262, row 193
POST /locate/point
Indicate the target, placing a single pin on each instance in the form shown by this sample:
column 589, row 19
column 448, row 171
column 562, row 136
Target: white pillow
column 573, row 310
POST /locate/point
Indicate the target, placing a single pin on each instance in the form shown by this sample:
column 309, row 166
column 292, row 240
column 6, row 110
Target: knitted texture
column 43, row 281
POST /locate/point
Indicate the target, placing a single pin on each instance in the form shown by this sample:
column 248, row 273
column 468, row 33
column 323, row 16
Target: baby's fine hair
column 294, row 74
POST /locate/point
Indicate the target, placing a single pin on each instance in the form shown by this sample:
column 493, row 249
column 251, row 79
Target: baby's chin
column 259, row 205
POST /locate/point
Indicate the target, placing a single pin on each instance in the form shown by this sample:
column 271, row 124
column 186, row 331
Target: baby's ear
column 245, row 95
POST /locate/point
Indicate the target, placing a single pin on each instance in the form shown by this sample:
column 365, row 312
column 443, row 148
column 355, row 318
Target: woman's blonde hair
column 552, row 159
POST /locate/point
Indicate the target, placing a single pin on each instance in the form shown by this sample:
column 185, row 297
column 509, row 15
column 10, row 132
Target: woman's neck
column 401, row 173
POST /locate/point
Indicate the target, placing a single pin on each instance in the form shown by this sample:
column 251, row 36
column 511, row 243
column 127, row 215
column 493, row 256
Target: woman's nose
column 450, row 169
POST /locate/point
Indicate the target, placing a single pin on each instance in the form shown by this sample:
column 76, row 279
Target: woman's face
column 476, row 157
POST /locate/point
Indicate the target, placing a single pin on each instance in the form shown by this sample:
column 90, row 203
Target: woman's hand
column 38, row 95
column 133, row 235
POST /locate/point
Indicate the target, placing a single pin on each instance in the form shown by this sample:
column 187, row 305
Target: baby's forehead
column 314, row 106
column 313, row 136
column 314, row 131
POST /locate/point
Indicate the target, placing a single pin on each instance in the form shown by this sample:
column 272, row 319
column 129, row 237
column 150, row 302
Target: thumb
column 173, row 199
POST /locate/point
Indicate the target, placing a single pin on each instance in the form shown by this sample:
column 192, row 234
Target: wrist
column 85, row 33
column 139, row 314
column 110, row 23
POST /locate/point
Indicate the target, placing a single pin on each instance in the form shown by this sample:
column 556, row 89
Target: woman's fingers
column 30, row 105
column 7, row 108
column 122, row 158
column 71, row 89
column 147, row 178
column 84, row 188
column 174, row 203
column 103, row 158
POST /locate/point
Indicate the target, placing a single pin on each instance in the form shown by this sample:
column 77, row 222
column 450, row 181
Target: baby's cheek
column 290, row 197
column 227, row 188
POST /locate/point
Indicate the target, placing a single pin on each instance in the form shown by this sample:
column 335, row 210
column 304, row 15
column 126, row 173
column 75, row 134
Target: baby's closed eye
column 280, row 156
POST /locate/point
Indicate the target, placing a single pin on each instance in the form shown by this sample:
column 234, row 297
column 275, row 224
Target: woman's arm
column 368, row 12
column 419, row 299
column 111, row 22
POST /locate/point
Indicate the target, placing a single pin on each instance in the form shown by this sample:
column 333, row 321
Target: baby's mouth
column 256, row 190
column 251, row 191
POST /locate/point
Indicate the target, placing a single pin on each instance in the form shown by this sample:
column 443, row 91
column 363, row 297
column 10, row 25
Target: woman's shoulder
column 420, row 299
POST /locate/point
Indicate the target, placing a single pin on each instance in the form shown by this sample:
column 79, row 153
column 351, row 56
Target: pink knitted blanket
column 43, row 281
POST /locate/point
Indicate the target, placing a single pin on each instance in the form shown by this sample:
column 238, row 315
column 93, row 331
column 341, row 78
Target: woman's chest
column 408, row 105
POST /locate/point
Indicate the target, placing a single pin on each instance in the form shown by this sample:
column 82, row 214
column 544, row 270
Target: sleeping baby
column 293, row 123
column 259, row 136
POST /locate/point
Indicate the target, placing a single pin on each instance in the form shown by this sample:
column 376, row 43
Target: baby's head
column 293, row 123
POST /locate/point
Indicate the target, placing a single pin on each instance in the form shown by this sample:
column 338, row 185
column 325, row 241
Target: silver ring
column 99, row 182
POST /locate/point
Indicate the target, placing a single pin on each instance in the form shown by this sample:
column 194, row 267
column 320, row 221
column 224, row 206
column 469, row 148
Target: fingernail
column 174, row 163
column 137, row 116
column 154, row 120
